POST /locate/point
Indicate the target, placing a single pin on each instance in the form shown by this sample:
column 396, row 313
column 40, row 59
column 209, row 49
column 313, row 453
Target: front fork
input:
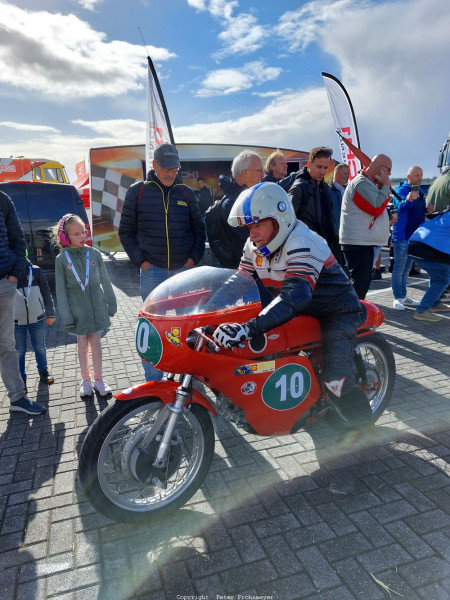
column 171, row 413
column 174, row 411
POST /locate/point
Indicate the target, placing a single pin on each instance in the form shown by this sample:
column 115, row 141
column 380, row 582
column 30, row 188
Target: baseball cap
column 166, row 155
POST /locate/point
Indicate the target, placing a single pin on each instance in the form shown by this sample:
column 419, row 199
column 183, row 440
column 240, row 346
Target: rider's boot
column 354, row 422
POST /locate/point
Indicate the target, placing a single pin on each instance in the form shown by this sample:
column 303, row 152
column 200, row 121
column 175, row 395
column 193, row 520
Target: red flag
column 363, row 158
column 365, row 161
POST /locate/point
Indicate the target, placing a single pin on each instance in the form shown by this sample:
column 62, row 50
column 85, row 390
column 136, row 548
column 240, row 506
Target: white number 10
column 296, row 386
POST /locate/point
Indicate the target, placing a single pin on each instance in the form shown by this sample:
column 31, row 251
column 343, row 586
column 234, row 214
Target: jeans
column 376, row 254
column 439, row 274
column 151, row 278
column 37, row 337
column 402, row 267
column 339, row 339
column 359, row 261
column 9, row 362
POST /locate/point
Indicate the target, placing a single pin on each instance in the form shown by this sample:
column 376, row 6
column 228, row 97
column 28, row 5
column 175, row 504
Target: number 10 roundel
column 287, row 387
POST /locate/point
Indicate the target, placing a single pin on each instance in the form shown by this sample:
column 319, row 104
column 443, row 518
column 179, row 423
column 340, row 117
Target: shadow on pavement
column 22, row 520
column 251, row 503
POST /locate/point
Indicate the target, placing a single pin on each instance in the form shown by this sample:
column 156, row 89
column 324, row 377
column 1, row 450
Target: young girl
column 85, row 297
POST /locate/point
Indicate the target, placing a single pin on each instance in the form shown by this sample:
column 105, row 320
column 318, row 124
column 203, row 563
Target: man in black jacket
column 204, row 197
column 161, row 228
column 276, row 168
column 312, row 201
column 12, row 263
column 246, row 171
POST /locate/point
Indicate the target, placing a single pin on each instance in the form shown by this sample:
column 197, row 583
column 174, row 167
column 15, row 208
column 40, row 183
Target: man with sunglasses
column 365, row 221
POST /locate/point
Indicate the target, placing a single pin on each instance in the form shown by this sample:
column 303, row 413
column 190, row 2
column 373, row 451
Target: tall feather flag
column 344, row 119
column 159, row 130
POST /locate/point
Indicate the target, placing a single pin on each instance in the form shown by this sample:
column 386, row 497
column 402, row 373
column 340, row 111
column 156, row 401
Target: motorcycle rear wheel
column 379, row 366
column 117, row 476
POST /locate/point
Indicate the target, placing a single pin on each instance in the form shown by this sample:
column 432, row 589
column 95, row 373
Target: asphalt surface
column 267, row 522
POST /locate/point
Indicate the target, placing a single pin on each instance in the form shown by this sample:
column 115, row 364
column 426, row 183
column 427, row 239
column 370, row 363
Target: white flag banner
column 158, row 125
column 344, row 120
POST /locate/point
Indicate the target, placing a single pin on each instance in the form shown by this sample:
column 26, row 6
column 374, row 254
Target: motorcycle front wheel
column 375, row 365
column 117, row 473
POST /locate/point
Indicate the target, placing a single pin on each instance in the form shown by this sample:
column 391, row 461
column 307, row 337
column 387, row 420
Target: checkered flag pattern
column 108, row 194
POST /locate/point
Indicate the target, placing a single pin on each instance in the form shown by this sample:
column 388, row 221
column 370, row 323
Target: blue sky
column 73, row 74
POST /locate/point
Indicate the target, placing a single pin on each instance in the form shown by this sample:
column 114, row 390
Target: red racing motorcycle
column 148, row 452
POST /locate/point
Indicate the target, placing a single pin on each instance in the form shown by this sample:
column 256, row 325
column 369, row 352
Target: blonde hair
column 61, row 228
column 271, row 160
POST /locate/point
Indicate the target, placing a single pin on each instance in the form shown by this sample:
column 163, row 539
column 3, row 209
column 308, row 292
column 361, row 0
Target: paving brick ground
column 264, row 524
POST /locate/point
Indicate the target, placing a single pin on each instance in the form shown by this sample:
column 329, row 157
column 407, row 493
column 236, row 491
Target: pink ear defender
column 63, row 238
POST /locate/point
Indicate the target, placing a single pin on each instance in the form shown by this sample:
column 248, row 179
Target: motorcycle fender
column 165, row 390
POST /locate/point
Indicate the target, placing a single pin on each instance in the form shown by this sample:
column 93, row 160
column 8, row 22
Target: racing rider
column 299, row 270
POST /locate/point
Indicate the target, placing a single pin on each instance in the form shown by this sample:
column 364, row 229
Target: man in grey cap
column 161, row 228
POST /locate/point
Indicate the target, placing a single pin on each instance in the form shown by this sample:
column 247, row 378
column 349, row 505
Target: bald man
column 411, row 215
column 365, row 221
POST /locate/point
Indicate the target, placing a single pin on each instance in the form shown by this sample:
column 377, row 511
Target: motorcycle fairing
column 273, row 394
column 165, row 391
column 205, row 297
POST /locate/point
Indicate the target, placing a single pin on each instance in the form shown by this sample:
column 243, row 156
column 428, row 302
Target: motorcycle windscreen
column 201, row 290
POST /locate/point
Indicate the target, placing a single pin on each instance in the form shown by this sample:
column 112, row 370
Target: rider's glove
column 229, row 335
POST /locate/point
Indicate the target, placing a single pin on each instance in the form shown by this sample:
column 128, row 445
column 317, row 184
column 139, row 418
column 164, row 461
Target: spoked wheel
column 376, row 371
column 116, row 469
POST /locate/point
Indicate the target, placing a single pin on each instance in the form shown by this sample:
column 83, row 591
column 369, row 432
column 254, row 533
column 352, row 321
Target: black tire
column 114, row 473
column 378, row 363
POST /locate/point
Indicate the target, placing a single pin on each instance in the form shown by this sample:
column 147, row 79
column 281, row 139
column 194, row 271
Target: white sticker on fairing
column 248, row 388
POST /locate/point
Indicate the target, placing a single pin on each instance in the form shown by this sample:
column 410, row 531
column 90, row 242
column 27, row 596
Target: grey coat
column 89, row 311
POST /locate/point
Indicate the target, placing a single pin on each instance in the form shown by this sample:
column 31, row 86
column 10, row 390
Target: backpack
column 220, row 236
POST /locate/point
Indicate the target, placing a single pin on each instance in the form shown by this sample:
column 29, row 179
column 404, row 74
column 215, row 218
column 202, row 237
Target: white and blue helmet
column 263, row 201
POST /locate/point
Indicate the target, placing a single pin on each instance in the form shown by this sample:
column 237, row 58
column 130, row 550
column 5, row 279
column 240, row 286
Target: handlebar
column 208, row 330
column 203, row 334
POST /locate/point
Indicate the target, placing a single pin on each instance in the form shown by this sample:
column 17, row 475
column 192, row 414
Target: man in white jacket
column 364, row 220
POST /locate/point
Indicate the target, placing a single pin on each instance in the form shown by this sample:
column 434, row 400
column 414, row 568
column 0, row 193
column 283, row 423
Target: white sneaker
column 410, row 302
column 398, row 305
column 85, row 388
column 102, row 387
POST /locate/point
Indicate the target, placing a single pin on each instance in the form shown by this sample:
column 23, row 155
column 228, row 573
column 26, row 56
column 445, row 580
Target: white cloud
column 198, row 4
column 117, row 128
column 62, row 57
column 273, row 94
column 298, row 28
column 89, row 4
column 390, row 56
column 222, row 8
column 241, row 32
column 28, row 127
column 70, row 148
column 228, row 81
column 286, row 121
column 243, row 35
column 399, row 88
